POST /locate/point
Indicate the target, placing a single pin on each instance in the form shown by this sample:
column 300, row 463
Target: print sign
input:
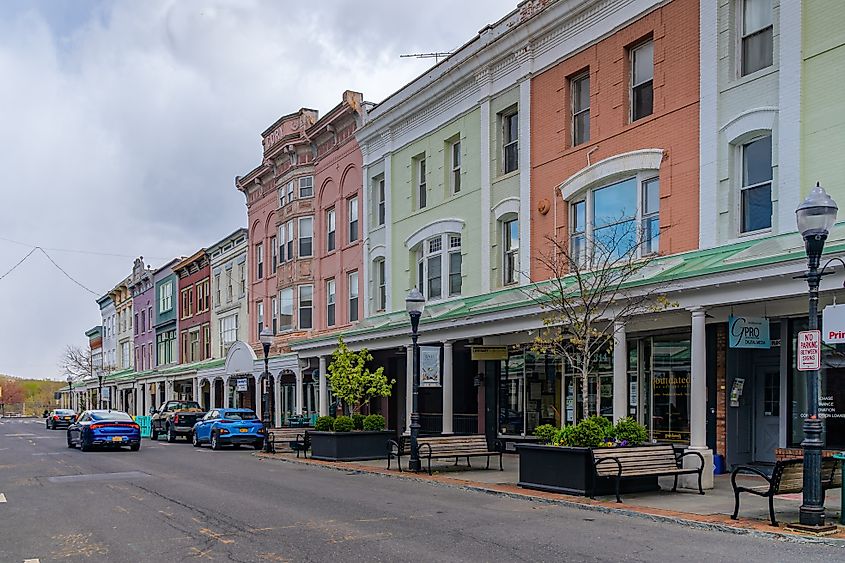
column 429, row 366
column 833, row 324
column 809, row 350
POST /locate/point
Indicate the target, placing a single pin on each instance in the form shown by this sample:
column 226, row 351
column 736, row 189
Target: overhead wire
column 77, row 251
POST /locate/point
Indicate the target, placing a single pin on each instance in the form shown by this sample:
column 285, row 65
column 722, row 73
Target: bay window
column 286, row 309
column 306, row 237
column 306, row 306
column 435, row 256
column 306, row 186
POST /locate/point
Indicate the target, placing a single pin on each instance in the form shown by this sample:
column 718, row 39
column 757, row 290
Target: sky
column 123, row 125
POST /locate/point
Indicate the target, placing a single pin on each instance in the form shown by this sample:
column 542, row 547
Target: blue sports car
column 220, row 427
column 104, row 428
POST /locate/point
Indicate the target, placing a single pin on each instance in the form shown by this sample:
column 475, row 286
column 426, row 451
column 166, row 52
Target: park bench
column 643, row 461
column 787, row 477
column 444, row 447
column 293, row 439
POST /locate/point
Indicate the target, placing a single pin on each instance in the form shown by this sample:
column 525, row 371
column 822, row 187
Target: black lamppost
column 99, row 389
column 70, row 391
column 414, row 304
column 815, row 216
column 266, row 338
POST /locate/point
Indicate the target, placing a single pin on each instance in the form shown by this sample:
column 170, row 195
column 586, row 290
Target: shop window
column 670, row 389
column 529, row 392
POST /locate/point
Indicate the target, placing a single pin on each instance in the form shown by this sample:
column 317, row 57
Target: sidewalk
column 711, row 510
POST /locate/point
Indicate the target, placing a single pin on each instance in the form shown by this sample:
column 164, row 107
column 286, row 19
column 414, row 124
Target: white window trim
column 421, row 182
column 357, row 296
column 455, row 187
column 331, row 300
column 740, row 36
column 299, row 236
column 331, row 229
column 422, row 254
column 503, row 117
column 352, row 213
column 738, row 150
column 301, row 187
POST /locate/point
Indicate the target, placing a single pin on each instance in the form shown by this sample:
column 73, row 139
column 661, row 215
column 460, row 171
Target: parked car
column 60, row 417
column 229, row 427
column 175, row 418
column 104, row 428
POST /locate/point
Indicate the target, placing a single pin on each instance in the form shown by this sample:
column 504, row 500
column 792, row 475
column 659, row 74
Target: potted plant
column 355, row 437
column 563, row 461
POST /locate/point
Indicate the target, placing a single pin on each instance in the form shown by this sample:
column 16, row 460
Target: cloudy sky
column 123, row 124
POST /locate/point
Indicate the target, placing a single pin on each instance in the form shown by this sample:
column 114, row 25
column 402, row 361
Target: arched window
column 439, row 262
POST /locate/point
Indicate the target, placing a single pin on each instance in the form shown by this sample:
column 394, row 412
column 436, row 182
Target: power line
column 68, row 276
column 77, row 251
column 22, row 260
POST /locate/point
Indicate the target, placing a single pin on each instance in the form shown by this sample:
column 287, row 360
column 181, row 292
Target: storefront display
column 529, row 392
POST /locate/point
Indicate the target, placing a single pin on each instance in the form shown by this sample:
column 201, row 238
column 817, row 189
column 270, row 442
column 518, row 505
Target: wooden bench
column 642, row 461
column 444, row 447
column 295, row 439
column 787, row 477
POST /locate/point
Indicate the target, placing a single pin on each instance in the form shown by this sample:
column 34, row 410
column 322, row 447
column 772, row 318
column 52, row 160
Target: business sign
column 489, row 352
column 833, row 324
column 242, row 384
column 809, row 350
column 429, row 366
column 749, row 332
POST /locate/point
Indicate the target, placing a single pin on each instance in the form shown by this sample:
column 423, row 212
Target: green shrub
column 605, row 424
column 546, row 433
column 324, row 424
column 631, row 431
column 358, row 421
column 564, row 436
column 374, row 423
column 343, row 424
column 587, row 434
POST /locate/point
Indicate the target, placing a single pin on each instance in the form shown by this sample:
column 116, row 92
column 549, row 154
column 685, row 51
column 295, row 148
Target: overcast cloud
column 123, row 124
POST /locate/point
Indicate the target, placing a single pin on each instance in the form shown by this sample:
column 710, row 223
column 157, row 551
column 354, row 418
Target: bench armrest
column 499, row 446
column 744, row 469
column 391, row 445
column 614, row 460
column 421, row 446
column 680, row 457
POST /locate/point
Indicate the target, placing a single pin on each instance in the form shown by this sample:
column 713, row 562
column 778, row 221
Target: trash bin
column 718, row 464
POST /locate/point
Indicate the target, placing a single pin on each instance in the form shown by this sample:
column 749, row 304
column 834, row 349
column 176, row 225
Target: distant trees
column 77, row 361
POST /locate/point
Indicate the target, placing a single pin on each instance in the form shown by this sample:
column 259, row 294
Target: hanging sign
column 833, row 324
column 429, row 366
column 809, row 350
column 749, row 332
column 489, row 352
column 243, row 384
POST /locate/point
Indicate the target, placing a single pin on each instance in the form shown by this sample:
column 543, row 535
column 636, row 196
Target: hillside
column 27, row 396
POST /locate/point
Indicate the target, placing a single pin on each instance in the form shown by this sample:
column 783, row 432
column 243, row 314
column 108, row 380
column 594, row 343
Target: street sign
column 243, row 385
column 809, row 350
column 833, row 324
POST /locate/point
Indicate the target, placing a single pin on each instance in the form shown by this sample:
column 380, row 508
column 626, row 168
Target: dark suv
column 175, row 418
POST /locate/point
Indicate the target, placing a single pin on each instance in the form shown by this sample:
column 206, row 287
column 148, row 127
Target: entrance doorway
column 766, row 419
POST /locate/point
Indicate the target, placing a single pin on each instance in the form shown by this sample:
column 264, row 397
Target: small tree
column 352, row 381
column 592, row 286
column 78, row 362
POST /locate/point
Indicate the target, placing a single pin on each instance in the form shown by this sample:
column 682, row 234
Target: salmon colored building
column 614, row 130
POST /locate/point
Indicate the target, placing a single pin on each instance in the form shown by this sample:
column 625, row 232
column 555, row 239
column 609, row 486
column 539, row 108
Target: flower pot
column 350, row 446
column 570, row 471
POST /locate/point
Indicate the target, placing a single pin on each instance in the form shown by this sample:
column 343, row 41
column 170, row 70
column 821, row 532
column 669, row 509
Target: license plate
column 117, row 438
column 67, row 418
column 244, row 430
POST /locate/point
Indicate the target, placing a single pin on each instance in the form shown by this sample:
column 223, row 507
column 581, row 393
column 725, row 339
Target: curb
column 645, row 515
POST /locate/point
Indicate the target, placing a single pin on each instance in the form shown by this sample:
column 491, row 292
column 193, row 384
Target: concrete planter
column 570, row 471
column 350, row 446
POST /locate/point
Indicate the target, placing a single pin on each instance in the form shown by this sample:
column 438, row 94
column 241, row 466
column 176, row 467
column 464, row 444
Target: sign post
column 809, row 350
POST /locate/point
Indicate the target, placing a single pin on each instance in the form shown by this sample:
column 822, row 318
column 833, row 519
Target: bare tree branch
column 77, row 362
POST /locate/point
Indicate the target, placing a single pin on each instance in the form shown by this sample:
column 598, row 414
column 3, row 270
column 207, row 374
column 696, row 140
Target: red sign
column 809, row 350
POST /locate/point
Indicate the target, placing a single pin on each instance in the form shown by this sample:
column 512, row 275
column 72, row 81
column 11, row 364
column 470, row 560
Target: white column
column 485, row 190
column 323, row 388
column 212, row 394
column 259, row 410
column 448, row 407
column 620, row 371
column 698, row 405
column 195, row 388
column 277, row 400
column 226, row 392
column 524, row 178
column 409, row 386
column 299, row 392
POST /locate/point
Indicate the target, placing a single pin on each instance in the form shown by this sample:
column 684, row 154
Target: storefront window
column 529, row 392
column 670, row 389
column 599, row 390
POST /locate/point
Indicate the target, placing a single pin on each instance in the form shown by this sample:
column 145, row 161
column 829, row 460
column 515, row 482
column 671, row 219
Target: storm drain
column 121, row 476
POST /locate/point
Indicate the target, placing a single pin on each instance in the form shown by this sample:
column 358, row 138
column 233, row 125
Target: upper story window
column 136, row 324
column 165, row 297
column 380, row 201
column 306, row 237
column 203, row 291
column 381, row 285
column 352, row 284
column 510, row 250
column 642, row 80
column 259, row 261
column 352, row 214
column 306, row 306
column 581, row 108
column 286, row 309
column 330, row 229
column 274, row 308
column 259, row 315
column 510, row 142
column 306, row 186
column 281, row 192
column 217, row 289
column 436, row 255
column 455, row 165
column 229, row 285
column 420, row 180
column 242, row 277
column 274, row 255
column 616, row 219
column 756, row 35
column 289, row 239
column 330, row 302
column 187, row 302
column 282, row 233
column 756, row 189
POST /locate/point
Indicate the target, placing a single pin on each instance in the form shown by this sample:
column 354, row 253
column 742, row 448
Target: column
column 324, row 395
column 259, row 408
column 195, row 387
column 448, row 407
column 226, row 392
column 698, row 405
column 620, row 371
column 277, row 402
column 409, row 386
column 299, row 391
column 212, row 393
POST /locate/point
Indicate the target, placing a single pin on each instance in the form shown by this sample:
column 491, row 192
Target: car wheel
column 195, row 440
column 84, row 445
column 258, row 445
column 153, row 434
column 215, row 442
column 70, row 443
column 135, row 447
column 171, row 435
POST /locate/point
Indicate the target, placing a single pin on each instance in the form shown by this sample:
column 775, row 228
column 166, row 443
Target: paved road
column 172, row 502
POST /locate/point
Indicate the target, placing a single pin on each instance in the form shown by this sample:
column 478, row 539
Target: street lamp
column 815, row 217
column 266, row 338
column 100, row 389
column 414, row 304
column 70, row 390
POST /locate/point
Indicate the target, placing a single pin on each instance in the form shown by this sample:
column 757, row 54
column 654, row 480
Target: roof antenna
column 436, row 56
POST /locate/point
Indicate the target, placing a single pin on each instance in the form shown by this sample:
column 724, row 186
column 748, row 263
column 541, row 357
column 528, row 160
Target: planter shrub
column 343, row 424
column 350, row 446
column 374, row 423
column 358, row 421
column 630, row 431
column 588, row 434
column 324, row 424
column 546, row 433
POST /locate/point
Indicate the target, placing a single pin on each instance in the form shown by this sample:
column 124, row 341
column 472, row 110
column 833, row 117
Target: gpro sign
column 749, row 332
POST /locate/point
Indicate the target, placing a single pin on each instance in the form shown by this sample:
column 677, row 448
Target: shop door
column 766, row 412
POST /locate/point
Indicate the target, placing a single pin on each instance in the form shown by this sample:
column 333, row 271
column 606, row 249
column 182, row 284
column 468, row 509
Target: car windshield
column 63, row 411
column 185, row 406
column 240, row 415
column 114, row 415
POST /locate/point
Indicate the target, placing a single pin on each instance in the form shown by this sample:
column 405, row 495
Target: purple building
column 143, row 298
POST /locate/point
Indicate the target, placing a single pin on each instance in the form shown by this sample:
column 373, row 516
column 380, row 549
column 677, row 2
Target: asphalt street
column 172, row 502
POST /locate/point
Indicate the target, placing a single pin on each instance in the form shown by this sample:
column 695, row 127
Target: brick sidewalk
column 721, row 522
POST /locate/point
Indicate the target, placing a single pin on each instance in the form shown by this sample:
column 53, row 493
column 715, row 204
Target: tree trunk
column 585, row 391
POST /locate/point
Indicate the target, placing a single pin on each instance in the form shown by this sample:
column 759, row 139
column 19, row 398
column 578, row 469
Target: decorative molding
column 506, row 206
column 453, row 225
column 634, row 161
column 750, row 121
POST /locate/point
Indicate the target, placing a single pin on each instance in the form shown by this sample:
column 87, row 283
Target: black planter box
column 570, row 471
column 350, row 446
